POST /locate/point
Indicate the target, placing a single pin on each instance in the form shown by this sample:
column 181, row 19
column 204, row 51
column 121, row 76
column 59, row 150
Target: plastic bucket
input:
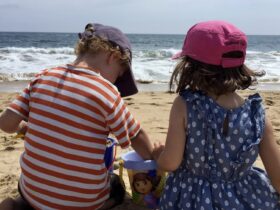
column 110, row 154
column 145, row 180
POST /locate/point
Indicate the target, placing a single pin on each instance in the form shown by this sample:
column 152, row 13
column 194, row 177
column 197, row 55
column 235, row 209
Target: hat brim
column 177, row 55
column 126, row 84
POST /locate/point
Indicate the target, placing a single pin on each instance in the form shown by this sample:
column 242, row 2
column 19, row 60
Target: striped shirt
column 70, row 113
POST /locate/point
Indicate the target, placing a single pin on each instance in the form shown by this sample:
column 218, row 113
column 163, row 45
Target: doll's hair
column 194, row 75
column 141, row 177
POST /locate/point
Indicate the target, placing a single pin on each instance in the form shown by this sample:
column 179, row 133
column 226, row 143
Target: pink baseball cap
column 209, row 41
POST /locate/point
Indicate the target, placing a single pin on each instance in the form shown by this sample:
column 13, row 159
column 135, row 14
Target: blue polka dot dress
column 216, row 172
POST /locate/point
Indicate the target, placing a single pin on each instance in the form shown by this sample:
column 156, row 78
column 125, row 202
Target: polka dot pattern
column 216, row 172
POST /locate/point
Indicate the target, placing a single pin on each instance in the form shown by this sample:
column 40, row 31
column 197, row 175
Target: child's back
column 67, row 114
column 216, row 170
column 214, row 135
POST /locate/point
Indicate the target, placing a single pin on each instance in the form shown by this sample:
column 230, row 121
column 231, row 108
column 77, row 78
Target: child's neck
column 89, row 61
column 229, row 100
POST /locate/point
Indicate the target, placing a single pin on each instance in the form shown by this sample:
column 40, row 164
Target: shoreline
column 18, row 86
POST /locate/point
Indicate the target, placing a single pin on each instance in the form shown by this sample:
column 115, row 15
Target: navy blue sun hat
column 126, row 84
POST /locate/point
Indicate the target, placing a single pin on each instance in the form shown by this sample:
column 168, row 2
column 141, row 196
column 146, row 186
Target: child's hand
column 158, row 148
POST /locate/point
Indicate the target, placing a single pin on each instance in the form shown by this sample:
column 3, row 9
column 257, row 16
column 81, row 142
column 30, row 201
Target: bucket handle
column 121, row 164
column 114, row 143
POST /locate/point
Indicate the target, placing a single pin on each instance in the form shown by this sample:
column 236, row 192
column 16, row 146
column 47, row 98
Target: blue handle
column 109, row 154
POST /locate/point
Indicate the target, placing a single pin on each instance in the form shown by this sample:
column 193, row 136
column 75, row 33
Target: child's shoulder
column 190, row 95
column 255, row 103
column 256, row 97
column 252, row 101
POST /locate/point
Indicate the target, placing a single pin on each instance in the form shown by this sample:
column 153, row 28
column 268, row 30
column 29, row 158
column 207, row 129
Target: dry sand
column 150, row 108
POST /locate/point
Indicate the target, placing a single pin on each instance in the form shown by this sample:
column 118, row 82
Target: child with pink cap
column 215, row 135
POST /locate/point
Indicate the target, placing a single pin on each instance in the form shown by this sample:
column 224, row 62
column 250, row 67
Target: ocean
column 24, row 54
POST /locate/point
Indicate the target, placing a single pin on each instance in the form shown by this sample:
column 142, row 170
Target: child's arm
column 270, row 155
column 127, row 130
column 11, row 122
column 172, row 155
column 142, row 145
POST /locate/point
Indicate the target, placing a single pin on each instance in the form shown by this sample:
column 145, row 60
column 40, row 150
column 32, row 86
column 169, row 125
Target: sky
column 255, row 17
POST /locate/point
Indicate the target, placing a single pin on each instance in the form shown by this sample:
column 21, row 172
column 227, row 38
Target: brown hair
column 195, row 75
column 97, row 44
column 141, row 177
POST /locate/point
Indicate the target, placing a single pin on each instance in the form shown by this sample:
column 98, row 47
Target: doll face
column 143, row 186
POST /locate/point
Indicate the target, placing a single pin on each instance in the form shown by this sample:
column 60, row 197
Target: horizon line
column 132, row 33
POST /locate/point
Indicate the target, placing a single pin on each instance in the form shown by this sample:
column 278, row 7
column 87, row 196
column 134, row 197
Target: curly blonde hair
column 97, row 44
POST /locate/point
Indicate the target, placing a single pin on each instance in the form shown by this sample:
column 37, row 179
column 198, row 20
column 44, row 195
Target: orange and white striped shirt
column 70, row 113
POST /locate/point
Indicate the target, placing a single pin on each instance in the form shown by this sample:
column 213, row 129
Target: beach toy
column 19, row 136
column 145, row 180
column 110, row 154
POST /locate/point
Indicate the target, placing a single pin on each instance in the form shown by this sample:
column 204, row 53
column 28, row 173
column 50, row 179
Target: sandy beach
column 150, row 108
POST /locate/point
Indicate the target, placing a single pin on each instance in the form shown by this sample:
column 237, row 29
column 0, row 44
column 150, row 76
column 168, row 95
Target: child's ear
column 110, row 58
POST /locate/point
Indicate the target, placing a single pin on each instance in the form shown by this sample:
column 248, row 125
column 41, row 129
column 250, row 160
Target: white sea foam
column 149, row 65
column 22, row 63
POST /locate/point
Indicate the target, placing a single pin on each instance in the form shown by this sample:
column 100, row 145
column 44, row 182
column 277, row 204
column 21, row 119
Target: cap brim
column 126, row 84
column 177, row 55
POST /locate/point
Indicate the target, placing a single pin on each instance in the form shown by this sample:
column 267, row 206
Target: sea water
column 22, row 55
